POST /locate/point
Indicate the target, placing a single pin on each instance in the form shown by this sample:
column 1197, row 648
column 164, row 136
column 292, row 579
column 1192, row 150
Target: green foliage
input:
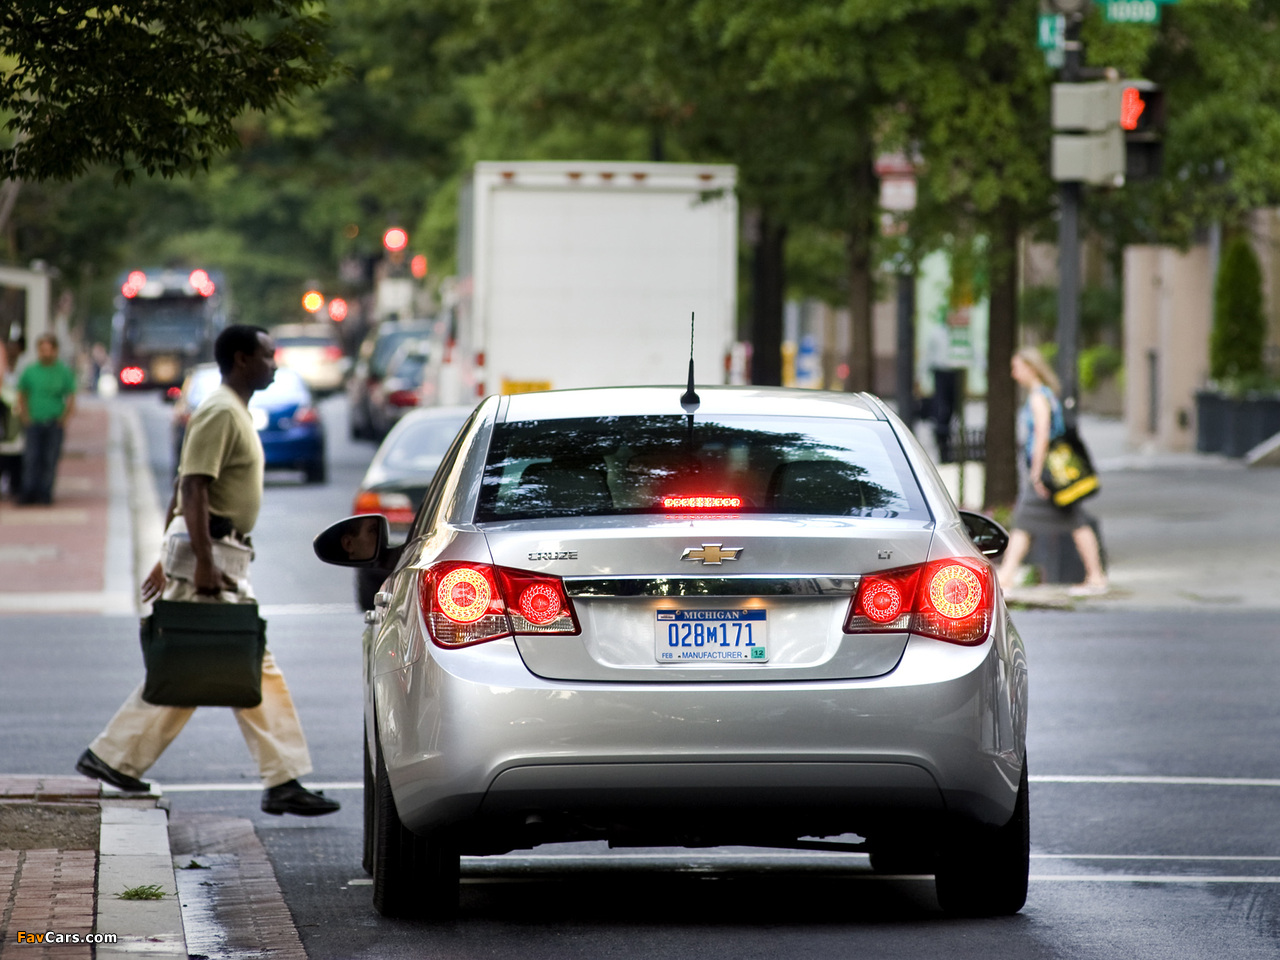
column 150, row 891
column 1098, row 364
column 1239, row 325
column 154, row 85
column 1100, row 312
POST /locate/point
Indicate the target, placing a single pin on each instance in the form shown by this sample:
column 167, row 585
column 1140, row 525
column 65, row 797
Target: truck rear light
column 333, row 353
column 402, row 398
column 951, row 600
column 467, row 603
column 132, row 376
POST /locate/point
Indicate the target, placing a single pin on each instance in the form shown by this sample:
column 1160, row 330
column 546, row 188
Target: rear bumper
column 471, row 738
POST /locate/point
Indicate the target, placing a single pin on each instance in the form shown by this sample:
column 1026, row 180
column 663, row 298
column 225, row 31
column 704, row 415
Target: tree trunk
column 862, row 231
column 768, row 285
column 1002, row 467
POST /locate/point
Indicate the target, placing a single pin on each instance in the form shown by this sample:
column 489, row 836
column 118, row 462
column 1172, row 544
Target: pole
column 1069, row 296
column 1069, row 252
column 906, row 367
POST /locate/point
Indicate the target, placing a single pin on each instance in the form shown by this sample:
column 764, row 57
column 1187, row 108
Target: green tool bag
column 203, row 654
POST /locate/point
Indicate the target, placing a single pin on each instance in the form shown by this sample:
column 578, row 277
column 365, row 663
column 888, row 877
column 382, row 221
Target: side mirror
column 355, row 542
column 987, row 535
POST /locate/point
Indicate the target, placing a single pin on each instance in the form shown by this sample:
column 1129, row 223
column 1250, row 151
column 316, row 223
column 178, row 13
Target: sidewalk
column 73, row 845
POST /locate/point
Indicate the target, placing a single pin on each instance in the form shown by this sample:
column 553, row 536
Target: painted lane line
column 1159, row 781
column 1154, row 857
column 1146, row 878
column 1042, row 778
column 164, row 788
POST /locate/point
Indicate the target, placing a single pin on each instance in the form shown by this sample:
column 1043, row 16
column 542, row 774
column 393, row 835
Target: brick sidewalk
column 47, row 890
column 61, row 548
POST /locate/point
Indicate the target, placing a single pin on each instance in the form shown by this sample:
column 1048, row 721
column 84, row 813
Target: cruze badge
column 711, row 553
column 554, row 555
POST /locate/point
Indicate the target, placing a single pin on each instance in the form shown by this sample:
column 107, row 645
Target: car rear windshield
column 676, row 465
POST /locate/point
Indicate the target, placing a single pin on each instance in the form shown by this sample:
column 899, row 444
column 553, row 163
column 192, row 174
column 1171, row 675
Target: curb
column 133, row 851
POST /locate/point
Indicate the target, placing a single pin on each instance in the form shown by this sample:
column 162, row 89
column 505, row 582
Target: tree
column 151, row 85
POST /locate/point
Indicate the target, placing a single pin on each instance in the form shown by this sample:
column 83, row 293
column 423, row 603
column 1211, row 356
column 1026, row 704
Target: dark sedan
column 399, row 475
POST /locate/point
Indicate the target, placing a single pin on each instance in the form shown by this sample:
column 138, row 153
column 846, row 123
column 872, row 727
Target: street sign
column 1051, row 31
column 1133, row 11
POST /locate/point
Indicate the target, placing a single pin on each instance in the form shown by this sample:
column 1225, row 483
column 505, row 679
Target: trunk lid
column 665, row 600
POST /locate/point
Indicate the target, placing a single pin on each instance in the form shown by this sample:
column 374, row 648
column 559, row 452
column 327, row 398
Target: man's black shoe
column 293, row 797
column 92, row 766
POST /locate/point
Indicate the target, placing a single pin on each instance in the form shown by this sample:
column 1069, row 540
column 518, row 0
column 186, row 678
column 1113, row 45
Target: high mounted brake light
column 951, row 600
column 468, row 603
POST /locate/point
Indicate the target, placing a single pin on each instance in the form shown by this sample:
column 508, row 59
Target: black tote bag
column 203, row 654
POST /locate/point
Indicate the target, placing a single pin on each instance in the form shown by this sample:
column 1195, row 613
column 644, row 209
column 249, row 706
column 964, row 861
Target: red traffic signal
column 395, row 239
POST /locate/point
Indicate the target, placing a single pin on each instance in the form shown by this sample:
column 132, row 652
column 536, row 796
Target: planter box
column 1234, row 425
column 1210, row 421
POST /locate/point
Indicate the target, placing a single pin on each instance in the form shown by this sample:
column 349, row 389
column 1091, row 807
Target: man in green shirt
column 46, row 400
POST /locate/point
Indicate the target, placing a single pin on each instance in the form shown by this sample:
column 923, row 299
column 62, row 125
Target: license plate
column 164, row 369
column 711, row 636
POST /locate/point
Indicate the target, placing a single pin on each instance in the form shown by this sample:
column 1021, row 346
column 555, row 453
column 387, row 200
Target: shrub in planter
column 1239, row 325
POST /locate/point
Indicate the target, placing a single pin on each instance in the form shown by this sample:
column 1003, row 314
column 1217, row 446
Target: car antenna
column 690, row 400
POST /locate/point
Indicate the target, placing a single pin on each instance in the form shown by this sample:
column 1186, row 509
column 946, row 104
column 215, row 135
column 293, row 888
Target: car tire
column 317, row 471
column 982, row 871
column 415, row 877
column 366, row 860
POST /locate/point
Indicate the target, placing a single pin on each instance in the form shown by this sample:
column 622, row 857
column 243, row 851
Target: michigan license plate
column 711, row 636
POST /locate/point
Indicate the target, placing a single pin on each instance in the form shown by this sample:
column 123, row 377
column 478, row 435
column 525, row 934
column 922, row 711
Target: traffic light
column 1091, row 147
column 1110, row 131
column 1142, row 117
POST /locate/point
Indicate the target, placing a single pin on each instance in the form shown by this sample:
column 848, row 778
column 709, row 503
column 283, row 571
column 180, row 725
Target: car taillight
column 306, row 415
column 536, row 603
column 396, row 507
column 333, row 353
column 951, row 600
column 132, row 376
column 466, row 603
column 402, row 398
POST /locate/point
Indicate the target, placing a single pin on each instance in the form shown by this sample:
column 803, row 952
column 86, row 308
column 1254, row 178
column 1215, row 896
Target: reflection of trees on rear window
column 662, row 464
column 423, row 444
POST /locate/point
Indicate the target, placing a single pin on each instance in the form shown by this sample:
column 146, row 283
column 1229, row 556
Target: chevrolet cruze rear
column 754, row 623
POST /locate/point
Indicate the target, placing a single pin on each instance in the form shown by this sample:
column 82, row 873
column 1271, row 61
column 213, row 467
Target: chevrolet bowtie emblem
column 713, row 553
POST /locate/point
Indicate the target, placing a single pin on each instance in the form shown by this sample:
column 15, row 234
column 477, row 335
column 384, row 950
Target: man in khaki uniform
column 215, row 506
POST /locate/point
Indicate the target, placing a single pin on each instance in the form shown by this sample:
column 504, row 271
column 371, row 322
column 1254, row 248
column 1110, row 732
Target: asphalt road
column 1153, row 751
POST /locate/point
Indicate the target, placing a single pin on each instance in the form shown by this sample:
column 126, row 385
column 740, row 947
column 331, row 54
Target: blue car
column 284, row 413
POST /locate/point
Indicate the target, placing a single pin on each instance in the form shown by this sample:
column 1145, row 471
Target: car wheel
column 414, row 876
column 982, row 872
column 317, row 471
column 367, row 860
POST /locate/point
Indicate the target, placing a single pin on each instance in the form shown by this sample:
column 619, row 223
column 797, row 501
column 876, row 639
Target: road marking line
column 307, row 609
column 164, row 788
column 1145, row 878
column 1160, row 781
column 1153, row 856
column 1044, row 778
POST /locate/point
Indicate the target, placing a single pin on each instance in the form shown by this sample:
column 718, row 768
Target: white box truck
column 577, row 274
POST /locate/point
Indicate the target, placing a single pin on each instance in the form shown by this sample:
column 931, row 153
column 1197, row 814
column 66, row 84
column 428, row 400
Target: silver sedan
column 754, row 619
